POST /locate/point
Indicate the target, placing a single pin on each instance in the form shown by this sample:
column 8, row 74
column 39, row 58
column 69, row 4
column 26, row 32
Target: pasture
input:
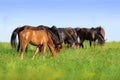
column 70, row 64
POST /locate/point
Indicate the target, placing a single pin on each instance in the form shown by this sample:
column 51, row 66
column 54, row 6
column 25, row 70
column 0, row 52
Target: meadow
column 99, row 63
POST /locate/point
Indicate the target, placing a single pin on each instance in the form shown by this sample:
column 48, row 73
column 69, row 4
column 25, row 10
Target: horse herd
column 42, row 36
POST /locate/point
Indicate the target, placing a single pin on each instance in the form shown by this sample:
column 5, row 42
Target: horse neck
column 54, row 37
column 55, row 31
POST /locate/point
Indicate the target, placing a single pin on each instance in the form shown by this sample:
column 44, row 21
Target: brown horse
column 56, row 41
column 37, row 37
column 101, row 31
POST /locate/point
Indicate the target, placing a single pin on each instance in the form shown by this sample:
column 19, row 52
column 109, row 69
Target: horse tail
column 13, row 37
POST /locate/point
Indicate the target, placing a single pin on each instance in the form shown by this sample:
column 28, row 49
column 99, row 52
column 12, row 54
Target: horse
column 37, row 37
column 55, row 38
column 91, row 34
column 73, row 34
column 56, row 41
column 101, row 32
column 64, row 36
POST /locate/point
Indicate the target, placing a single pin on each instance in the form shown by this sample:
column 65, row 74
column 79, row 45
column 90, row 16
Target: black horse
column 91, row 34
column 64, row 36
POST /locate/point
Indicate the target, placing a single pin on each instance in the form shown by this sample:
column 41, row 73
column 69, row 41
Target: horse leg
column 40, row 48
column 71, row 44
column 43, row 50
column 94, row 43
column 23, row 47
column 35, row 53
column 18, row 48
column 90, row 43
column 52, row 49
column 23, row 44
column 81, row 43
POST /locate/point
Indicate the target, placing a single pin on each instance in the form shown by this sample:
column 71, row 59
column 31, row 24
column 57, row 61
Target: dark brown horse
column 91, row 34
column 73, row 34
column 17, row 31
column 38, row 38
column 101, row 32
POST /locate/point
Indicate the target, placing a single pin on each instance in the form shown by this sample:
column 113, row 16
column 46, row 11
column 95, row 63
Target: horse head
column 56, row 38
column 101, row 33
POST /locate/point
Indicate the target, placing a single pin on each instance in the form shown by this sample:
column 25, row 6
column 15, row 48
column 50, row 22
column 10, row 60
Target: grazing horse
column 55, row 37
column 91, row 34
column 64, row 36
column 73, row 34
column 101, row 32
column 17, row 31
column 37, row 37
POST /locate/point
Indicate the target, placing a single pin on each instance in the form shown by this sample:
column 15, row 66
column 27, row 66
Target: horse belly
column 39, row 39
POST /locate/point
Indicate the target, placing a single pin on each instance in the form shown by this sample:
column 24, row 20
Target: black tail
column 13, row 37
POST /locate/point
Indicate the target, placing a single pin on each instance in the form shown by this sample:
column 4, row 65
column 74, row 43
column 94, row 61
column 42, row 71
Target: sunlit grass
column 70, row 64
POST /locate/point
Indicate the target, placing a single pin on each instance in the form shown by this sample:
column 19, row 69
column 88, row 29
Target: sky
column 61, row 13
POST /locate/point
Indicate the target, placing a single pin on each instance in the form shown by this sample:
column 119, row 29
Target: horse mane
column 55, row 30
column 51, row 33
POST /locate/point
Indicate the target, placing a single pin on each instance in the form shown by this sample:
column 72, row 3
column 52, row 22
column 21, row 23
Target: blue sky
column 62, row 13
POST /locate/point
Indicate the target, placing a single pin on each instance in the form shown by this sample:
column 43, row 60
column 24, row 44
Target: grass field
column 70, row 64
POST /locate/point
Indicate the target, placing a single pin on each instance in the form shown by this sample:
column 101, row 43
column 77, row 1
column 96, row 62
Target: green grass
column 70, row 64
